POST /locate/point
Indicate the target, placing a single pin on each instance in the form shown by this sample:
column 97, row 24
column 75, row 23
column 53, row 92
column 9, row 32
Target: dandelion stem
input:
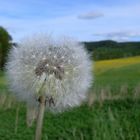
column 38, row 133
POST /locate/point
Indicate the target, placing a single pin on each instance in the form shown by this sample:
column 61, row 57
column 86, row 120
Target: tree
column 5, row 45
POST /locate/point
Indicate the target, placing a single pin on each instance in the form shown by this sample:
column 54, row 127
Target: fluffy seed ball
column 61, row 69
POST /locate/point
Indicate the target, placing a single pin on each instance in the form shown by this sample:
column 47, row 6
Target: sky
column 84, row 20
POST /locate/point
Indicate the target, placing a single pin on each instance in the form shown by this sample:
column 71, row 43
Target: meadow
column 112, row 111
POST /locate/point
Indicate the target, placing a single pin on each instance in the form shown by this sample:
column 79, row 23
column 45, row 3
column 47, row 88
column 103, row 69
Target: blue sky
column 85, row 20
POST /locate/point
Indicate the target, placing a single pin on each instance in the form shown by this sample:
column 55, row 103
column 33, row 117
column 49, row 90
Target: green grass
column 104, row 120
column 116, row 73
column 116, row 77
column 104, row 65
column 115, row 120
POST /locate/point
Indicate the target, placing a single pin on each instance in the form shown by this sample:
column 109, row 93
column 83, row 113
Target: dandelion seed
column 44, row 58
column 47, row 65
column 62, row 57
column 67, row 72
column 54, row 56
column 74, row 68
column 61, row 66
column 33, row 56
column 54, row 70
column 51, row 75
column 69, row 61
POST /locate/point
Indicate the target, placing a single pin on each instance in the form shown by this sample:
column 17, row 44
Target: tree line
column 108, row 49
column 5, row 45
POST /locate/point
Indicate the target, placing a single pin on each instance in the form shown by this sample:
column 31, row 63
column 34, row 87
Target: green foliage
column 5, row 44
column 110, row 49
column 114, row 120
column 117, row 77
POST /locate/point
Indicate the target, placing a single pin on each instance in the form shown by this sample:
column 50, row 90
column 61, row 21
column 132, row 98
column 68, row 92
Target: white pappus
column 63, row 68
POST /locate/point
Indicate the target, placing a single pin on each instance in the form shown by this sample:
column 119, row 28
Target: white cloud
column 91, row 15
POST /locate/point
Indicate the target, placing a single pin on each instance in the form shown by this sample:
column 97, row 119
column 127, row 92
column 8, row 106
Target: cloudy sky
column 85, row 20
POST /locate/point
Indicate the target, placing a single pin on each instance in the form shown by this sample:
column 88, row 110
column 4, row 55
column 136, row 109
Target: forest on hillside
column 108, row 49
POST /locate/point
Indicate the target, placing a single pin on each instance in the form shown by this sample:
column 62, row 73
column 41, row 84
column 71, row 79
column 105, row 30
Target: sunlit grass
column 104, row 65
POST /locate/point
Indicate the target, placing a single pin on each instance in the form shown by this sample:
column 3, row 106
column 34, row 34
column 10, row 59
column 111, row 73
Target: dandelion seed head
column 65, row 80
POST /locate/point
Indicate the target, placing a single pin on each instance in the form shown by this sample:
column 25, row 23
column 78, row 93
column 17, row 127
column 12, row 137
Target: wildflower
column 62, row 70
